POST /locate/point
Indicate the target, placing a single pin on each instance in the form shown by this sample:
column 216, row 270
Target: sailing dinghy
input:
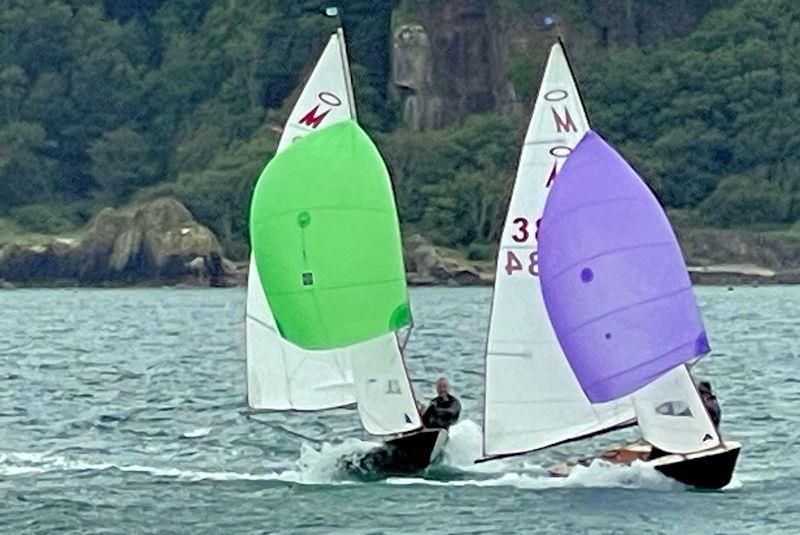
column 534, row 399
column 326, row 292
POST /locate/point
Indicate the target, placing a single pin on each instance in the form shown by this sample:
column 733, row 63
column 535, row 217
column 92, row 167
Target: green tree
column 122, row 161
column 26, row 170
column 738, row 202
column 220, row 194
column 13, row 88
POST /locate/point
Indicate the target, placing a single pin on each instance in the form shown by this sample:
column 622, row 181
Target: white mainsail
column 532, row 398
column 282, row 376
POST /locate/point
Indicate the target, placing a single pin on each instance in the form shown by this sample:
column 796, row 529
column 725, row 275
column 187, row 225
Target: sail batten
column 284, row 376
column 532, row 399
column 565, row 269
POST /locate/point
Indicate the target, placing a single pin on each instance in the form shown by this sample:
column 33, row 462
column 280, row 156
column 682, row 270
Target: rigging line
column 705, row 410
column 574, row 81
column 261, row 322
column 348, row 80
column 410, row 385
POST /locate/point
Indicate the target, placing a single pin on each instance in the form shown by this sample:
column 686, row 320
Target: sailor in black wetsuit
column 444, row 408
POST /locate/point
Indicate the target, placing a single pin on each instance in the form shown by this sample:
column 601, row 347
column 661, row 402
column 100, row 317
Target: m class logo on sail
column 314, row 117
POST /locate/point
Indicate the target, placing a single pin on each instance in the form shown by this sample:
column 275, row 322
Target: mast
column 352, row 101
column 351, row 98
column 401, row 345
column 577, row 85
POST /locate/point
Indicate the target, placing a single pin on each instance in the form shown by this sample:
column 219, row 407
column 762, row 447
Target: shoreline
column 713, row 275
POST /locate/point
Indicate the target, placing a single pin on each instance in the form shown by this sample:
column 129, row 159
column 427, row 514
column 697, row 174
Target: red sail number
column 522, row 233
column 513, row 263
column 533, row 267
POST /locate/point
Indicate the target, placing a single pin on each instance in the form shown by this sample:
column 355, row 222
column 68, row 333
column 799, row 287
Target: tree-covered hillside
column 714, row 119
column 108, row 101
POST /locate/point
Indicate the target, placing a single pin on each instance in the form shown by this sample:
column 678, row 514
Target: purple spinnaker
column 613, row 277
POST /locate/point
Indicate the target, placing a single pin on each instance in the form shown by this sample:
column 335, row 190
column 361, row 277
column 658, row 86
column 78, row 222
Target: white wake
column 321, row 465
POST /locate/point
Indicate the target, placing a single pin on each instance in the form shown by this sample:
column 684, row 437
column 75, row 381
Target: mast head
column 548, row 21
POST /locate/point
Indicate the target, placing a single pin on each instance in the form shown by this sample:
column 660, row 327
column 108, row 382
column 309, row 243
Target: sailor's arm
column 456, row 409
column 453, row 410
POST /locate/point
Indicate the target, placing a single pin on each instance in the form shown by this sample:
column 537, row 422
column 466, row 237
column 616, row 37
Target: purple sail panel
column 613, row 277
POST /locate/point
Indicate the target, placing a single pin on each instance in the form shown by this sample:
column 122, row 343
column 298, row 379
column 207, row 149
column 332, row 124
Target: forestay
column 532, row 399
column 613, row 277
column 281, row 375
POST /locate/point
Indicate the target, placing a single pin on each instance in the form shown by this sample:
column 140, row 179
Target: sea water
column 123, row 411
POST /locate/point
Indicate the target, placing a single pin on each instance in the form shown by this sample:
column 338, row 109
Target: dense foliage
column 104, row 101
column 713, row 119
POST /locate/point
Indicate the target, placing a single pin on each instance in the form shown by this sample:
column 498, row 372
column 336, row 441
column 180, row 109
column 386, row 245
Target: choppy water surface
column 123, row 411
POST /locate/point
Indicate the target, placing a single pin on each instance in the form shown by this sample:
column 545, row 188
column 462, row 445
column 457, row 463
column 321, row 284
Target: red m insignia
column 552, row 176
column 312, row 119
column 564, row 123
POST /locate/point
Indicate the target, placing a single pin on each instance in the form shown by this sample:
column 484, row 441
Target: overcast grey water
column 123, row 411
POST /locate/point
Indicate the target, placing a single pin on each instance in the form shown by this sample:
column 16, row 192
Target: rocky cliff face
column 427, row 264
column 159, row 241
column 450, row 59
column 640, row 22
column 447, row 64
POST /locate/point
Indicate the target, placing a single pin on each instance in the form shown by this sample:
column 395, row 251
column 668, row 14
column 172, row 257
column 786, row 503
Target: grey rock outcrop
column 163, row 240
column 428, row 264
column 447, row 64
column 451, row 59
column 413, row 74
column 158, row 241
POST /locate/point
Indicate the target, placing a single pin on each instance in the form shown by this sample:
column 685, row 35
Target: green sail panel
column 326, row 241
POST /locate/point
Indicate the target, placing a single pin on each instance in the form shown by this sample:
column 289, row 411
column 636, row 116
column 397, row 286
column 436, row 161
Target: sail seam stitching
column 606, row 253
column 628, row 307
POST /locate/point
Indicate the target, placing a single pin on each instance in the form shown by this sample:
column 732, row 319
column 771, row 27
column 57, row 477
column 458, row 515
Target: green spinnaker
column 326, row 240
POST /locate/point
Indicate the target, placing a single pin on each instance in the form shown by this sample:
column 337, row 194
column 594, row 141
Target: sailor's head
column 704, row 387
column 442, row 386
